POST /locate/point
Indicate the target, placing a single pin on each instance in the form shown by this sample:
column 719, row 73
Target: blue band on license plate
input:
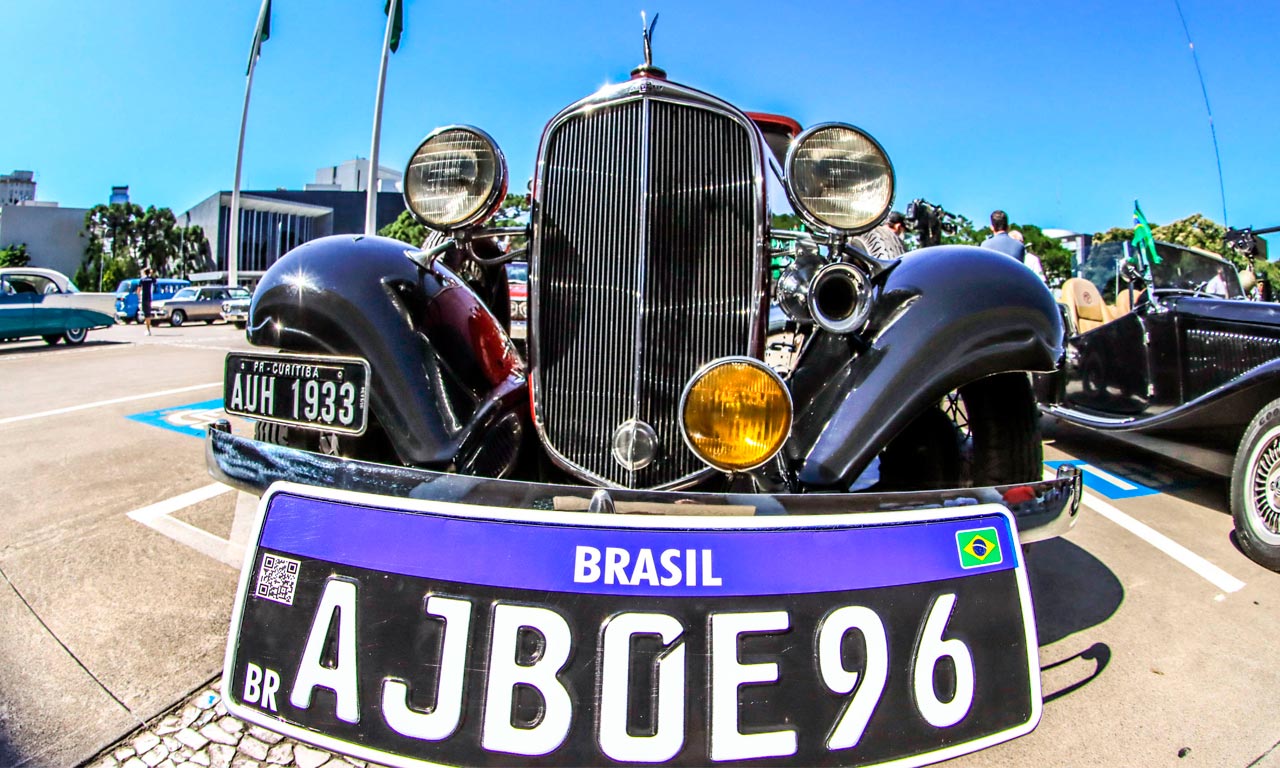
column 430, row 633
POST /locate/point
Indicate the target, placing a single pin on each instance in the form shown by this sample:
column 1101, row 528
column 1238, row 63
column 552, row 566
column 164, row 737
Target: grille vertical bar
column 652, row 237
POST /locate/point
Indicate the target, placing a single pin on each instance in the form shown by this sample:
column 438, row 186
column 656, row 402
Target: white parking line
column 1110, row 478
column 1207, row 570
column 158, row 518
column 101, row 403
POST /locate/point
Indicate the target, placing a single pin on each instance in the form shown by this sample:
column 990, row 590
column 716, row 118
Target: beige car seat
column 1085, row 305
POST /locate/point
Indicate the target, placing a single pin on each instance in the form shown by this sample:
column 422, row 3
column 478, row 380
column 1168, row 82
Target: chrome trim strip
column 253, row 466
column 642, row 261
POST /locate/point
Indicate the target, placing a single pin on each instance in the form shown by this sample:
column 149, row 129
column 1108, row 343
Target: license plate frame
column 341, row 386
column 292, row 515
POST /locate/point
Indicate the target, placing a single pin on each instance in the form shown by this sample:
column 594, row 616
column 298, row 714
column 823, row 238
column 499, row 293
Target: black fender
column 941, row 317
column 441, row 362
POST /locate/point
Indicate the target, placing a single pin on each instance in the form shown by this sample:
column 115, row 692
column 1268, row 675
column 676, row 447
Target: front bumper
column 1042, row 510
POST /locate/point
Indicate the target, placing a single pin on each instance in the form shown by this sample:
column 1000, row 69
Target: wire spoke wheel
column 1255, row 488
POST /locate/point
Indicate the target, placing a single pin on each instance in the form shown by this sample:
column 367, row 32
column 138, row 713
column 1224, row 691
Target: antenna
column 1212, row 131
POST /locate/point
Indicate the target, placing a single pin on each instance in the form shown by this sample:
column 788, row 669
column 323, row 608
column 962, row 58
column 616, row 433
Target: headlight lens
column 456, row 178
column 839, row 178
column 735, row 414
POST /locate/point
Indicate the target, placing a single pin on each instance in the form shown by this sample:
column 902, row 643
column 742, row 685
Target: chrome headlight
column 839, row 178
column 456, row 178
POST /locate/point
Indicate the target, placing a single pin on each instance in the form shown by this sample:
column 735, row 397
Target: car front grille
column 646, row 265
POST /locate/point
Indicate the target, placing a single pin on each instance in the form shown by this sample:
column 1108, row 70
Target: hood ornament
column 647, row 69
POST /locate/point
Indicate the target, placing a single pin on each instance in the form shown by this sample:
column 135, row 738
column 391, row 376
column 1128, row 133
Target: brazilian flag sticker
column 979, row 548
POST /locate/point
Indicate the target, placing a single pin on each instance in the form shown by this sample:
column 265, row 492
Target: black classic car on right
column 1167, row 353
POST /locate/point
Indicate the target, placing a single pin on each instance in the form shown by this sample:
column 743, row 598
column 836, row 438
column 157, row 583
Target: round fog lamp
column 456, row 178
column 735, row 414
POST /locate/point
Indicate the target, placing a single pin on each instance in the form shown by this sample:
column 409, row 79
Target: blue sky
column 1061, row 113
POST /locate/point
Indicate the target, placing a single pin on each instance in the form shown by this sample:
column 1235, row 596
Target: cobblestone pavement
column 200, row 734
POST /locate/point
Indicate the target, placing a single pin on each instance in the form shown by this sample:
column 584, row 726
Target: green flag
column 397, row 23
column 260, row 34
column 1142, row 239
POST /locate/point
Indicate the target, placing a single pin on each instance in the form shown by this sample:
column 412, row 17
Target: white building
column 353, row 176
column 17, row 187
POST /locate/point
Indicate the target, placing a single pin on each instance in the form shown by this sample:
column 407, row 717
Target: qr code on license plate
column 277, row 579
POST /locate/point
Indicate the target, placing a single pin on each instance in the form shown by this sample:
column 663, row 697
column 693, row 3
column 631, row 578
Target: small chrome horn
column 839, row 298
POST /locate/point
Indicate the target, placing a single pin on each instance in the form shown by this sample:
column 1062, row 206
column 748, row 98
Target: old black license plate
column 321, row 392
column 429, row 633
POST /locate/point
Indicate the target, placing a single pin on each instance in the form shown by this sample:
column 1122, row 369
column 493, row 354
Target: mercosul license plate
column 321, row 392
column 429, row 633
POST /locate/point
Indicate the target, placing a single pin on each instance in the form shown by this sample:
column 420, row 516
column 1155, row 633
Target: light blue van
column 127, row 295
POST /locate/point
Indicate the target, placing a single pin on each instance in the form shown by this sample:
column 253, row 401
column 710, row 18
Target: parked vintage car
column 197, row 303
column 236, row 311
column 44, row 303
column 127, row 296
column 519, row 539
column 1170, row 356
column 518, row 293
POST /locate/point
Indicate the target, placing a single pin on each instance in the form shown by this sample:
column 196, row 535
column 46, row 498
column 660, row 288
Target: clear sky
column 1061, row 113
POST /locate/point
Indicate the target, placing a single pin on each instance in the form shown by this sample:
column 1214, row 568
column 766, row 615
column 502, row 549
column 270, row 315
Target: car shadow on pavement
column 40, row 346
column 1160, row 473
column 1071, row 589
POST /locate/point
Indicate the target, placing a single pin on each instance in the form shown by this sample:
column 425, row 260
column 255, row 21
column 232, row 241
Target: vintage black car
column 1169, row 355
column 642, row 473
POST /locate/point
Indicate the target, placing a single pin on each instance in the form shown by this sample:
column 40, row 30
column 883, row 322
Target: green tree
column 194, row 253
column 406, row 229
column 122, row 239
column 15, row 256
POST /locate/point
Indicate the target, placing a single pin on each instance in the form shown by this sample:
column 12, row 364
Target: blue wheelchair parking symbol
column 1105, row 483
column 191, row 419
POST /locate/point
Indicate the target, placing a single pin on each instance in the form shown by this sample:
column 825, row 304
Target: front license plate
column 429, row 633
column 321, row 392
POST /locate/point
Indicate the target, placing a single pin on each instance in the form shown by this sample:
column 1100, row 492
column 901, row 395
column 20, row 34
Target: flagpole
column 261, row 31
column 233, row 231
column 371, row 201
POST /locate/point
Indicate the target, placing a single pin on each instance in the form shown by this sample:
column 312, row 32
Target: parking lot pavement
column 107, row 622
column 117, row 553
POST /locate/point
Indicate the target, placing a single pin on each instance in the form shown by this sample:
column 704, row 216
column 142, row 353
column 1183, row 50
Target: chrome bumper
column 1042, row 510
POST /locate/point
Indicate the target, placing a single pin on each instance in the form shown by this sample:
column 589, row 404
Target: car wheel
column 177, row 318
column 1004, row 424
column 52, row 339
column 208, row 322
column 75, row 336
column 1255, row 488
column 984, row 433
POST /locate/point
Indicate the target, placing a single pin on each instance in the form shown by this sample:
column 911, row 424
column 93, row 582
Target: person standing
column 1030, row 259
column 145, row 288
column 1000, row 239
column 885, row 241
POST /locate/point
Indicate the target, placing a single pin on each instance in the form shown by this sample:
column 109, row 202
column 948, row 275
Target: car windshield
column 186, row 294
column 126, row 286
column 239, row 293
column 1185, row 269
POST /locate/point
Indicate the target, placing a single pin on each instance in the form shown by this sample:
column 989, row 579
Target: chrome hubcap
column 1263, row 502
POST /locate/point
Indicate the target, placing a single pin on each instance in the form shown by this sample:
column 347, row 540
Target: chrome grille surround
column 648, row 260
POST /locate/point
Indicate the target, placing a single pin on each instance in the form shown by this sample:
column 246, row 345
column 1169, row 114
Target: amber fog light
column 735, row 414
